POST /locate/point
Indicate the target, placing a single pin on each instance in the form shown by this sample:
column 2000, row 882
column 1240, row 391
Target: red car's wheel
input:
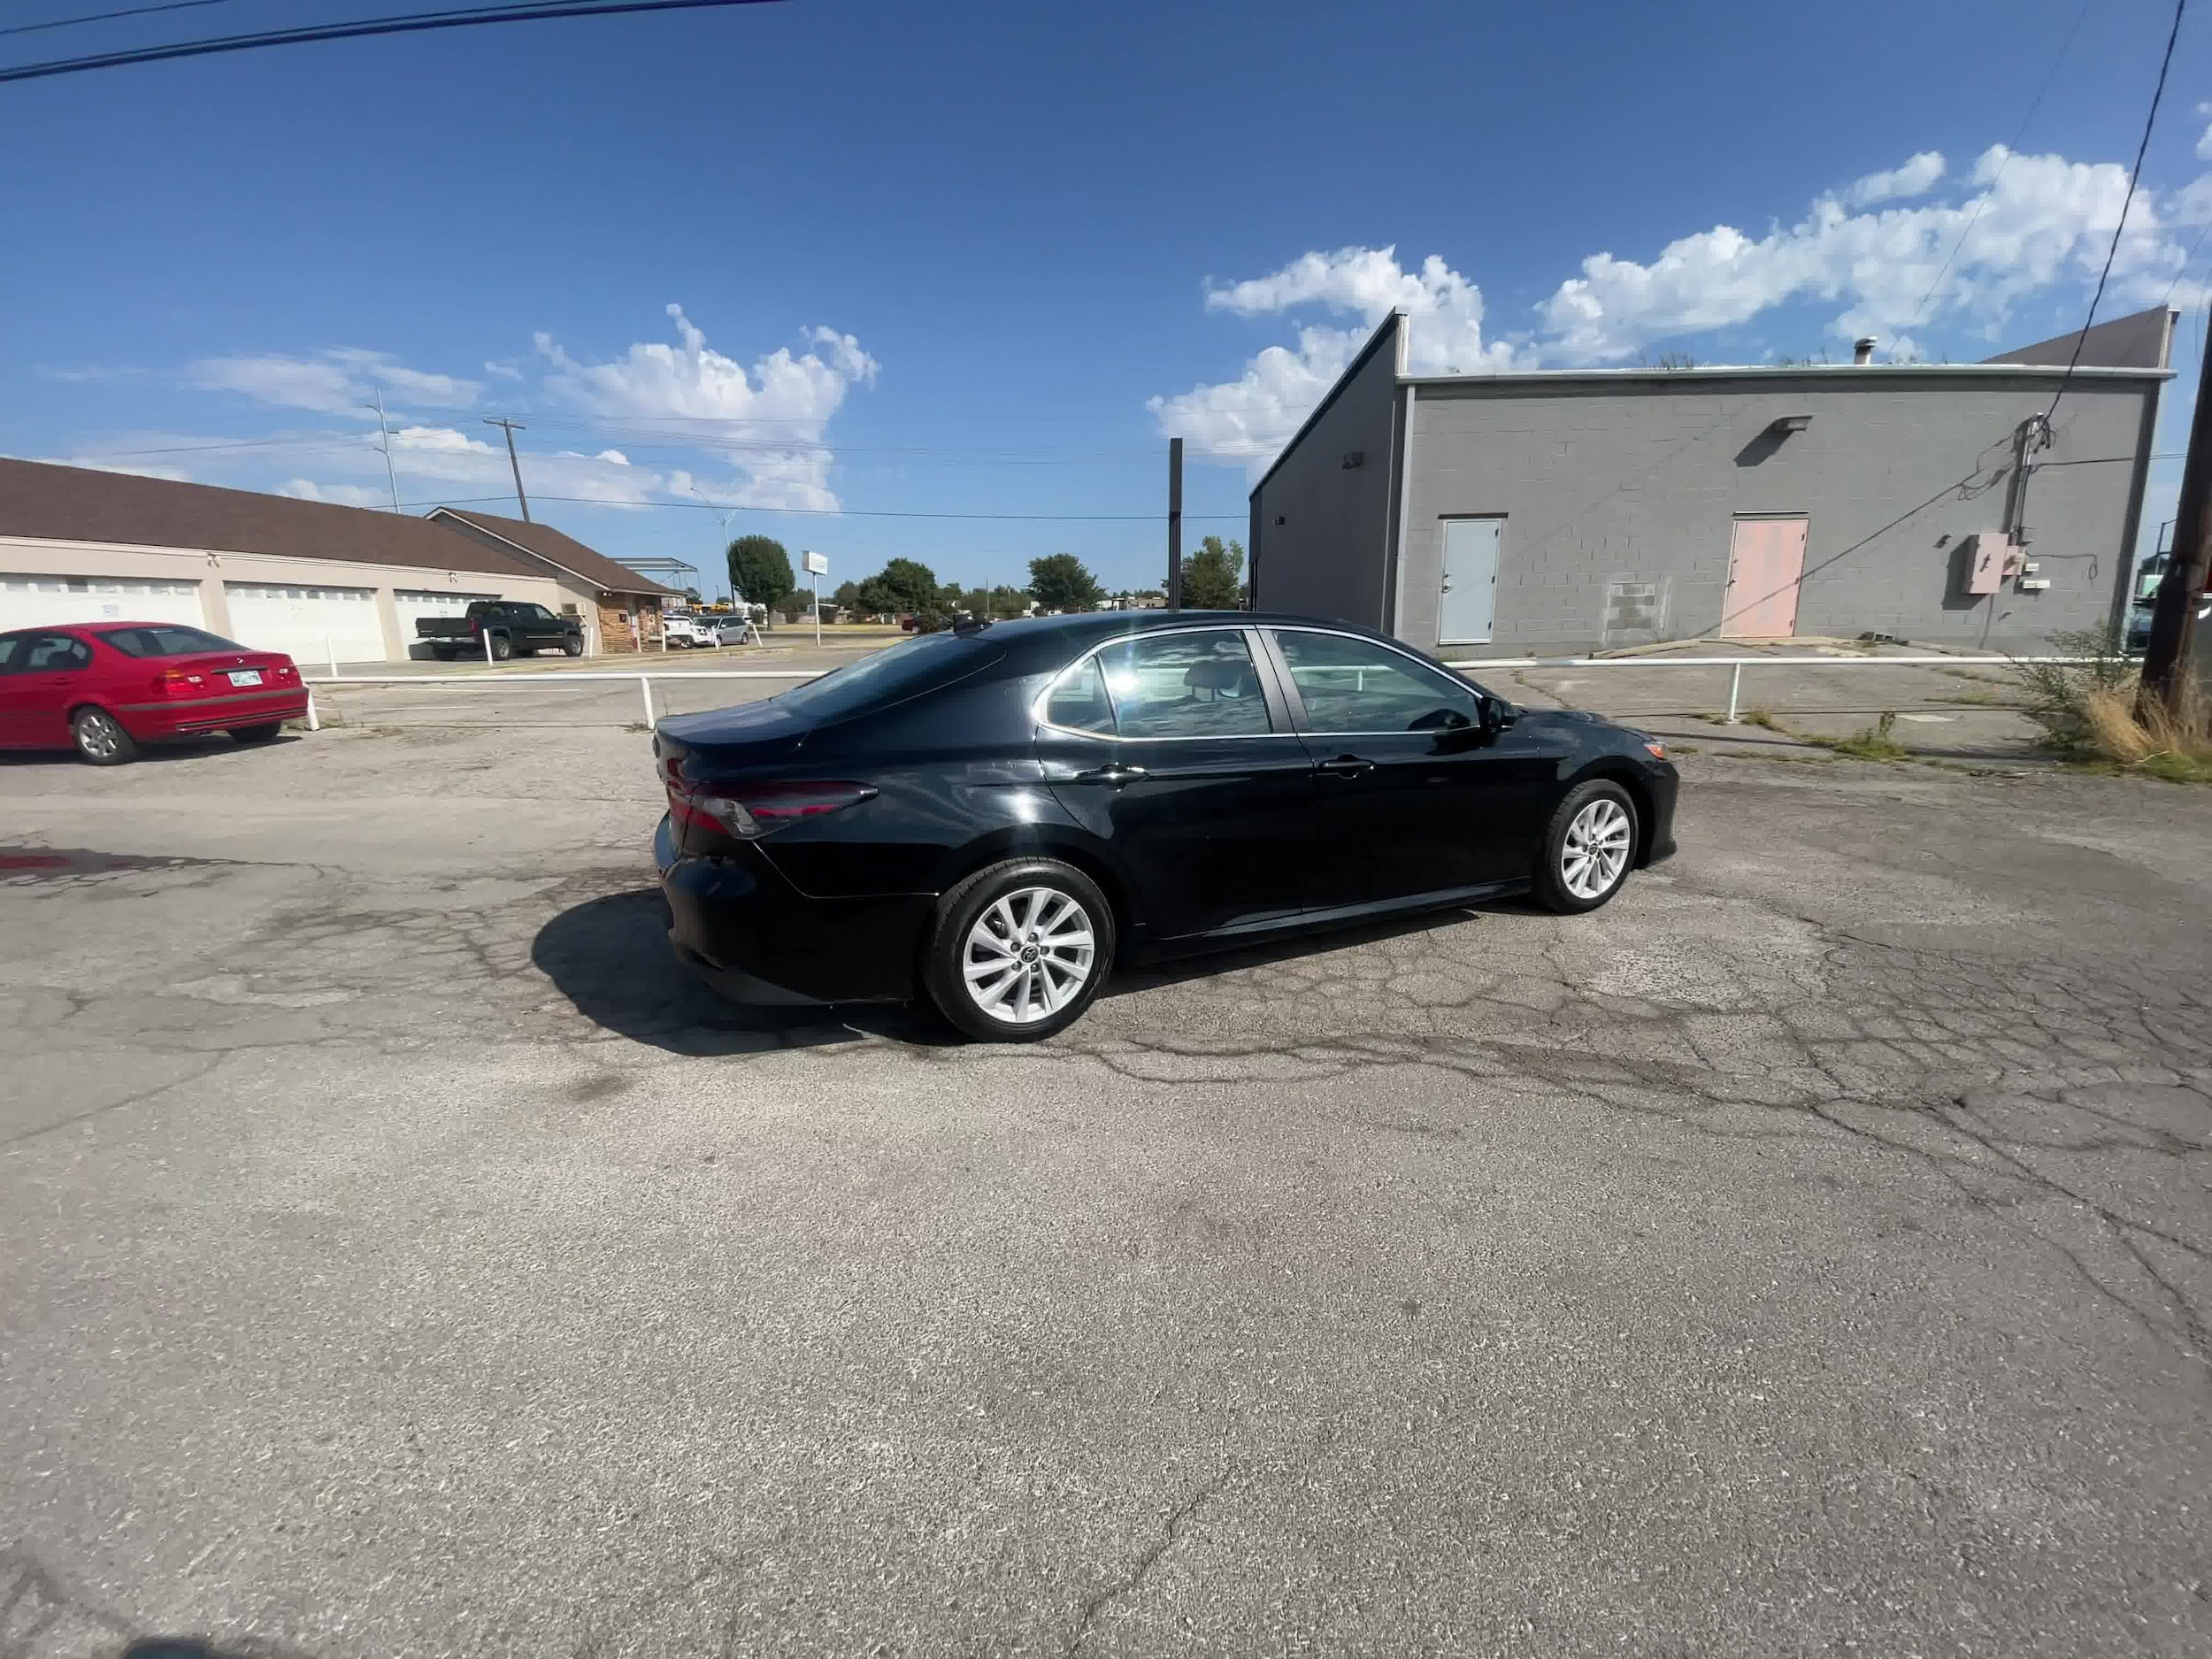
column 101, row 739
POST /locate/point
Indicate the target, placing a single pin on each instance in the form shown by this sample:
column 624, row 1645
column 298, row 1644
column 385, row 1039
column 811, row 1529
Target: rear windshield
column 168, row 640
column 908, row 669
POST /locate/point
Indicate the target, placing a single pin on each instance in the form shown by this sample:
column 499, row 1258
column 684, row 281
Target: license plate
column 245, row 676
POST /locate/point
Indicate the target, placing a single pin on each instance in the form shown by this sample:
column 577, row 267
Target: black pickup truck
column 511, row 625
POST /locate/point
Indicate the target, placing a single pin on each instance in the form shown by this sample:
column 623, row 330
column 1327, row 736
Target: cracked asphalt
column 1806, row 1254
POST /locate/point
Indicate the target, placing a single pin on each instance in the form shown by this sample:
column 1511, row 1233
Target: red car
column 108, row 687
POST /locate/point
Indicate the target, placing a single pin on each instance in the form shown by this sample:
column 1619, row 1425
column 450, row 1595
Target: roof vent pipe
column 1863, row 349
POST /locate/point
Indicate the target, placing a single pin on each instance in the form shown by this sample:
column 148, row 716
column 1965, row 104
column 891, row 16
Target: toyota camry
column 989, row 818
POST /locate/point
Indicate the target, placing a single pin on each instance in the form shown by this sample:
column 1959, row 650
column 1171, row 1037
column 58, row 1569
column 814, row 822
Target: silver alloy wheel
column 98, row 735
column 1596, row 848
column 1028, row 956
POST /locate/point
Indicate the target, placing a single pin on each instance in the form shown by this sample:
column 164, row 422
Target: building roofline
column 1392, row 325
column 1769, row 372
column 648, row 585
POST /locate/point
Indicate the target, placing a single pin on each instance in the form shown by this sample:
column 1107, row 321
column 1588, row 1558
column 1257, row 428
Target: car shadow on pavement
column 610, row 957
column 1153, row 976
column 183, row 749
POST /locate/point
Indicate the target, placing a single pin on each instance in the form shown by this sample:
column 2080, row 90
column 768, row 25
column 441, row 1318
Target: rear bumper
column 755, row 938
column 196, row 716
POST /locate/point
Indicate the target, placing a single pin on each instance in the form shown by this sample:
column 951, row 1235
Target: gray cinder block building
column 1567, row 510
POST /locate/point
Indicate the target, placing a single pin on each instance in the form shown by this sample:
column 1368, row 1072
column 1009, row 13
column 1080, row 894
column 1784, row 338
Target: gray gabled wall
column 1631, row 482
column 1322, row 532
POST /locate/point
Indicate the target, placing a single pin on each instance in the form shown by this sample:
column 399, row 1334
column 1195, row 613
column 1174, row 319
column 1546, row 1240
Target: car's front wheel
column 101, row 739
column 573, row 648
column 1588, row 848
column 1019, row 950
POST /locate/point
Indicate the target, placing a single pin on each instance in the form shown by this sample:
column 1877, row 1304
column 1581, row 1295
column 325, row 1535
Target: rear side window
column 12, row 650
column 927, row 662
column 1079, row 700
column 1200, row 684
column 55, row 653
column 167, row 641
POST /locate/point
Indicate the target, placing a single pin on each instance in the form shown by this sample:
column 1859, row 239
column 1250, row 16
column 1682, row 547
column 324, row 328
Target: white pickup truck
column 684, row 631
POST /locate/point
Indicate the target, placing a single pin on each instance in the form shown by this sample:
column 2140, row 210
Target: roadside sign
column 817, row 564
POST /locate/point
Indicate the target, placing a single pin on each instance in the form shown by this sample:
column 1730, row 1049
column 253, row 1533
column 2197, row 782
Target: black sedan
column 991, row 817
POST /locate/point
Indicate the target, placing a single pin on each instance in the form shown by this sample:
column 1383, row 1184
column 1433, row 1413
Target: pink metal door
column 1766, row 561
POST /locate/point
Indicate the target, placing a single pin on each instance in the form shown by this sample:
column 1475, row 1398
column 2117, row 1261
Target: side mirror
column 1497, row 714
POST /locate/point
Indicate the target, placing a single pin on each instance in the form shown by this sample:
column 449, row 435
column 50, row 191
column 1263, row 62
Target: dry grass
column 1873, row 742
column 2175, row 744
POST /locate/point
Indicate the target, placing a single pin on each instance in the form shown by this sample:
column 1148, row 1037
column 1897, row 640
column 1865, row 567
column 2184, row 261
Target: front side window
column 537, row 613
column 167, row 640
column 1200, row 684
column 1353, row 685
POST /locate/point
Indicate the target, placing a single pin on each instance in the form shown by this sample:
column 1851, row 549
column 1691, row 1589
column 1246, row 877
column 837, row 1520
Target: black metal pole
column 1174, row 524
column 2173, row 620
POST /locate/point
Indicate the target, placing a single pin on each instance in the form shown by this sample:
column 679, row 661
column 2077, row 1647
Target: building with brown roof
column 622, row 609
column 322, row 582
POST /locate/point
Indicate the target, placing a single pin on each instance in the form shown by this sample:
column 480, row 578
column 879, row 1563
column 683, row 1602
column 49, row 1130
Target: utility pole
column 2174, row 618
column 511, row 428
column 1174, row 524
column 383, row 431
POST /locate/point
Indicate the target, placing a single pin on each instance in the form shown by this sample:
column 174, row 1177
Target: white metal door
column 1467, row 606
column 413, row 607
column 31, row 602
column 311, row 625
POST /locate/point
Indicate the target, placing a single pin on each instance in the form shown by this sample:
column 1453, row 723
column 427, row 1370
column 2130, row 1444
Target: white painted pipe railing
column 1737, row 664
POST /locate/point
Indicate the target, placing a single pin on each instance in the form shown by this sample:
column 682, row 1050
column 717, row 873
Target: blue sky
column 980, row 259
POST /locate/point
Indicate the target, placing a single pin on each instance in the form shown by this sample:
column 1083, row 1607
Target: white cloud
column 770, row 420
column 2036, row 219
column 340, row 495
column 1916, row 177
column 337, row 382
column 2204, row 139
column 2020, row 226
column 1249, row 418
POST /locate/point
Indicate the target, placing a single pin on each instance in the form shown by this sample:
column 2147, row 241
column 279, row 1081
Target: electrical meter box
column 1991, row 556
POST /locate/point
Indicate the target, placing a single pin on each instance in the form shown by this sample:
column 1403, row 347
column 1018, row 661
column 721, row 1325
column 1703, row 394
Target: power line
column 109, row 17
column 1996, row 178
column 411, row 23
column 855, row 512
column 2135, row 174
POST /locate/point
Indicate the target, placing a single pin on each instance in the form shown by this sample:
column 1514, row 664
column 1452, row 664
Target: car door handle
column 1116, row 774
column 1345, row 766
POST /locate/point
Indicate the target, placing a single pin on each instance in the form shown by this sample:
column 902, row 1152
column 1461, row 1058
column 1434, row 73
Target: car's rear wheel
column 1019, row 950
column 1588, row 848
column 503, row 647
column 101, row 738
column 265, row 732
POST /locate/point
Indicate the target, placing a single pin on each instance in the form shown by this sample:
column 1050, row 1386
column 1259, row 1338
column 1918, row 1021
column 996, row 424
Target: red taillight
column 179, row 682
column 749, row 810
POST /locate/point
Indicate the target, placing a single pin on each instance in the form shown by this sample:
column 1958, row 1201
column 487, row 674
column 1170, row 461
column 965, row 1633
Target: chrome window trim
column 1389, row 645
column 1044, row 698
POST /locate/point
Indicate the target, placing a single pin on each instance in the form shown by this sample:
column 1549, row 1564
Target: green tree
column 761, row 570
column 904, row 585
column 1210, row 576
column 847, row 597
column 1008, row 601
column 1059, row 582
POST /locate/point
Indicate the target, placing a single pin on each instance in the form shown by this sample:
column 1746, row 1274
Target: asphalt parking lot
column 1807, row 1253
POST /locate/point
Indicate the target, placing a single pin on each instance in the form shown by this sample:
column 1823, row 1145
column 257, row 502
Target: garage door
column 414, row 606
column 311, row 625
column 29, row 602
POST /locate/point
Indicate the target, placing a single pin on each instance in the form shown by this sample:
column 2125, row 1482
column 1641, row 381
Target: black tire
column 101, row 739
column 573, row 647
column 962, row 912
column 503, row 647
column 1573, row 880
column 265, row 732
